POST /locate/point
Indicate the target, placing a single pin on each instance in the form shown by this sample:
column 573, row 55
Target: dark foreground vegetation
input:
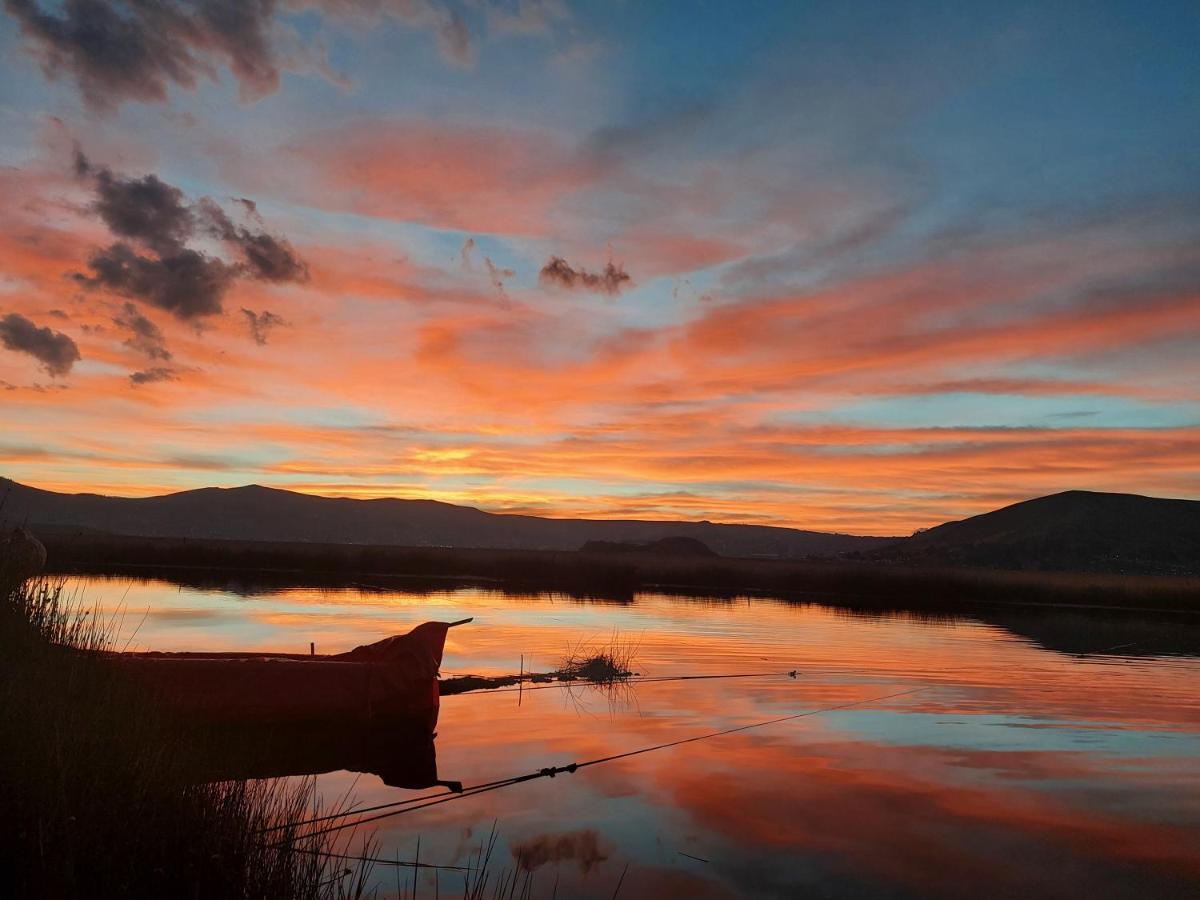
column 97, row 793
column 619, row 576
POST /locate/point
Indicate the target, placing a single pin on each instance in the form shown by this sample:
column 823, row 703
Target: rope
column 411, row 800
column 412, row 805
column 353, row 812
column 415, row 803
column 584, row 682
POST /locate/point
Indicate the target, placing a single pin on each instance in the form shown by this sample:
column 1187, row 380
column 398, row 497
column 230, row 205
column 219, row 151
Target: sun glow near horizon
column 806, row 267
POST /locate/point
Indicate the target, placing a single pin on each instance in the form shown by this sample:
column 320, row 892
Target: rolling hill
column 257, row 513
column 1074, row 531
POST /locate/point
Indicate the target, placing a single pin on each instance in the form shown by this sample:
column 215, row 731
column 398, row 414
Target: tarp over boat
column 392, row 680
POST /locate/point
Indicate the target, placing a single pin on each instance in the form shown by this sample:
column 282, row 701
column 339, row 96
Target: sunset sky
column 858, row 267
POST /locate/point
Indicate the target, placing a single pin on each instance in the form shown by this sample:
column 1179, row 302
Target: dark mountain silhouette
column 1075, row 531
column 257, row 513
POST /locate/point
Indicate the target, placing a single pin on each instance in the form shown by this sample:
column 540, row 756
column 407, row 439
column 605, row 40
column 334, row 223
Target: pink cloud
column 481, row 179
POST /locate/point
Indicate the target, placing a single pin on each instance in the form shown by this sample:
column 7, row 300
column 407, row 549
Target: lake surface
column 1014, row 768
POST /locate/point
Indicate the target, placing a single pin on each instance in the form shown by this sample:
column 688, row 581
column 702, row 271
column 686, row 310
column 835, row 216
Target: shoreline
column 619, row 577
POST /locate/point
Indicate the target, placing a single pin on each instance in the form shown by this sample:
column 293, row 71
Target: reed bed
column 618, row 577
column 95, row 789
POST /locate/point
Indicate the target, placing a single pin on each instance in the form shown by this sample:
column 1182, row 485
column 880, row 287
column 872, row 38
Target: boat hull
column 392, row 681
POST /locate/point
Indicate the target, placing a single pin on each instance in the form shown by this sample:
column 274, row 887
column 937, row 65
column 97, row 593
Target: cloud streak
column 262, row 324
column 144, row 336
column 154, row 375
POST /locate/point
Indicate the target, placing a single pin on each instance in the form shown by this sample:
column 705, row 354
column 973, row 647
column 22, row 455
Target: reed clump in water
column 606, row 664
column 95, row 789
column 599, row 663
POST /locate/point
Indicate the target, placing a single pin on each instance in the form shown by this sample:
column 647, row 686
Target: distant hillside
column 1075, row 531
column 264, row 514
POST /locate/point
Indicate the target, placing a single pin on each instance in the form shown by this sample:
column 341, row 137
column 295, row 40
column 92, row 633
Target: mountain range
column 1081, row 531
column 255, row 513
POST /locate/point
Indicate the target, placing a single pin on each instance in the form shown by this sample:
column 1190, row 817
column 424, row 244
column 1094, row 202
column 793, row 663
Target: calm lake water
column 1017, row 768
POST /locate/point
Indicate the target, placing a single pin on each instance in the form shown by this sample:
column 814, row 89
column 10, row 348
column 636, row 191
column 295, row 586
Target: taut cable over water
column 411, row 805
column 587, row 682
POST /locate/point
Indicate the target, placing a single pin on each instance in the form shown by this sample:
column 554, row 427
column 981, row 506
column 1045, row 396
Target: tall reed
column 95, row 794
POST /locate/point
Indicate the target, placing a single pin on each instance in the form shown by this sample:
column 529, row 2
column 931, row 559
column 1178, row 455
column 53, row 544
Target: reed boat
column 392, row 681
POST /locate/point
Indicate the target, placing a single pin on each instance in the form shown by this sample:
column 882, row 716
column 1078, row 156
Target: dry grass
column 95, row 788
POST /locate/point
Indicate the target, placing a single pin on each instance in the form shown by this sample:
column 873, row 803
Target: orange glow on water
column 1081, row 764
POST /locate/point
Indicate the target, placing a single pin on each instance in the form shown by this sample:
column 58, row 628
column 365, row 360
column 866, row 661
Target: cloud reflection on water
column 1017, row 770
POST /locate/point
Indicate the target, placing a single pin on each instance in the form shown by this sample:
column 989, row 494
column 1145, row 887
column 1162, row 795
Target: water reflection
column 400, row 757
column 1090, row 631
column 1026, row 765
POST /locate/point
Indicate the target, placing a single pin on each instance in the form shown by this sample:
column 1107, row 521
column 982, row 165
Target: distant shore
column 619, row 576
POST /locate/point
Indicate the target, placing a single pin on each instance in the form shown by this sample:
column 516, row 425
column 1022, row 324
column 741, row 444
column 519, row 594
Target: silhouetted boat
column 392, row 682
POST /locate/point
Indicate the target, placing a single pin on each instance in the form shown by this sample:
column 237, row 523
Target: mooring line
column 586, row 682
column 423, row 797
column 353, row 812
column 552, row 771
column 435, row 799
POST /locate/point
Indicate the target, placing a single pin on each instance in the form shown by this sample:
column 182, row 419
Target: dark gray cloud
column 142, row 209
column 269, row 258
column 238, row 30
column 153, row 375
column 265, row 257
column 611, row 280
column 188, row 284
column 262, row 324
column 119, row 50
column 170, row 275
column 144, row 336
column 56, row 351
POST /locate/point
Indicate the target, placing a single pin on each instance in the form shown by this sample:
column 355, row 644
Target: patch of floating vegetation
column 606, row 664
